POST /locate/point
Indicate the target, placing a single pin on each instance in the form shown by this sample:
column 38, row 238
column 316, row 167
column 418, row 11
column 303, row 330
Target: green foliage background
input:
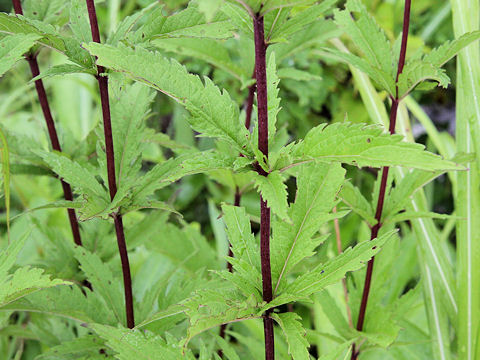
column 176, row 187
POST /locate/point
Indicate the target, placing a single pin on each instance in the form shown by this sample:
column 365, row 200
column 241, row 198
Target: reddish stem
column 52, row 131
column 112, row 184
column 262, row 105
column 383, row 182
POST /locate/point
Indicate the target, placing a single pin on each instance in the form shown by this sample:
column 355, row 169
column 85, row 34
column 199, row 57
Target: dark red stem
column 52, row 132
column 383, row 181
column 262, row 105
column 112, row 184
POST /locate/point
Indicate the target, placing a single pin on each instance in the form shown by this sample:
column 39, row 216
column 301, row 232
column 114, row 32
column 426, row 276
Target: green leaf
column 418, row 71
column 367, row 35
column 190, row 22
column 63, row 69
column 361, row 145
column 69, row 302
column 83, row 182
column 274, row 192
column 49, row 37
column 299, row 21
column 246, row 262
column 103, row 281
column 295, row 334
column 85, row 346
column 12, row 49
column 383, row 79
column 135, row 344
column 207, row 50
column 318, row 185
column 213, row 112
column 449, row 49
column 130, row 106
column 272, row 94
column 24, row 280
column 355, row 200
column 296, row 74
column 330, row 272
column 220, row 305
column 209, row 8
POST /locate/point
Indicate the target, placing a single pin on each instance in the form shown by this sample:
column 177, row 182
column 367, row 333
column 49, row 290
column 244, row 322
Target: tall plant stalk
column 262, row 105
column 112, row 184
column 52, row 131
column 385, row 170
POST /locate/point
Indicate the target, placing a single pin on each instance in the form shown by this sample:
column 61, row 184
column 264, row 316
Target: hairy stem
column 262, row 105
column 112, row 184
column 52, row 131
column 383, row 181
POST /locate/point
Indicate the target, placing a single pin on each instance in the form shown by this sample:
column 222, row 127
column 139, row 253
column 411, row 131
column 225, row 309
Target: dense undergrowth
column 239, row 179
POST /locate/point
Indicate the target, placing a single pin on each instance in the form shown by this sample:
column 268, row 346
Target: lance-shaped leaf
column 188, row 23
column 12, row 49
column 84, row 347
column 134, row 344
column 367, row 35
column 213, row 112
column 362, row 145
column 295, row 335
column 318, row 185
column 417, row 71
column 24, row 280
column 103, row 281
column 274, row 192
column 330, row 272
column 449, row 49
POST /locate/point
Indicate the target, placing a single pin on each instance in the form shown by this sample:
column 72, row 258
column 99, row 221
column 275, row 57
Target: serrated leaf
column 63, row 69
column 383, row 79
column 367, row 35
column 212, row 307
column 207, row 50
column 25, row 281
column 318, row 185
column 88, row 345
column 272, row 94
column 135, row 344
column 83, row 182
column 355, row 200
column 362, row 145
column 213, row 112
column 66, row 301
column 295, row 335
column 299, row 21
column 274, row 192
column 190, row 22
column 449, row 49
column 330, row 272
column 103, row 281
column 417, row 71
column 13, row 47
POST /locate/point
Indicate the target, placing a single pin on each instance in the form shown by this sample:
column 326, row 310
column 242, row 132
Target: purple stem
column 52, row 131
column 112, row 184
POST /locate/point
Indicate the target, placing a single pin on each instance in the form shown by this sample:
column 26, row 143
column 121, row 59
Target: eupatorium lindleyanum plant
column 165, row 137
